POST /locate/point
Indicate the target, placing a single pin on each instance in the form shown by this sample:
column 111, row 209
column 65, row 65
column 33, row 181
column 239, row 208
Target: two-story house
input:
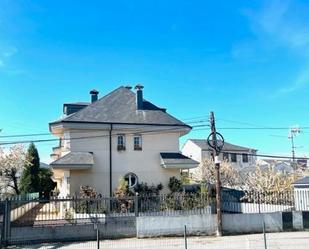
column 118, row 135
column 239, row 157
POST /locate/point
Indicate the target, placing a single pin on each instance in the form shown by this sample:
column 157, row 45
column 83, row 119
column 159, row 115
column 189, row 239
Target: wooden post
column 217, row 166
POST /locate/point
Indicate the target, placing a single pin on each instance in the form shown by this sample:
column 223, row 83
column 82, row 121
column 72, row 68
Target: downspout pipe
column 110, row 163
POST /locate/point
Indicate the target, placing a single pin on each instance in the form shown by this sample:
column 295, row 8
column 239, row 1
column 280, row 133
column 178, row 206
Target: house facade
column 239, row 157
column 118, row 135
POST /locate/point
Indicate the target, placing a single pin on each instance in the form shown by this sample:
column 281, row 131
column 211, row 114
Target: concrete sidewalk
column 295, row 240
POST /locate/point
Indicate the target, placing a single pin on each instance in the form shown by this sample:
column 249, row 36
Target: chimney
column 94, row 95
column 139, row 97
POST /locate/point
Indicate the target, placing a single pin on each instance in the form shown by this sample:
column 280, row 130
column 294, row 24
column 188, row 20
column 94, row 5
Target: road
column 290, row 240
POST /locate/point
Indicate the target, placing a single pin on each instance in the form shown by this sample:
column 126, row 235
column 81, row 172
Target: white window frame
column 121, row 146
column 66, row 141
column 140, row 144
column 129, row 177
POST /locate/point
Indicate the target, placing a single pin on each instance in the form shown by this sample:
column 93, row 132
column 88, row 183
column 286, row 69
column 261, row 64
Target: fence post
column 7, row 222
column 98, row 238
column 136, row 205
column 259, row 202
column 185, row 237
column 264, row 235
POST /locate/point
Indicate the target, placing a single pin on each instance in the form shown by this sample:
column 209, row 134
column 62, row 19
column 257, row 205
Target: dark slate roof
column 74, row 158
column 44, row 165
column 119, row 107
column 302, row 181
column 176, row 158
column 202, row 143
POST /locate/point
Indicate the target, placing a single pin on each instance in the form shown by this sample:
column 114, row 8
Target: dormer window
column 121, row 144
column 137, row 142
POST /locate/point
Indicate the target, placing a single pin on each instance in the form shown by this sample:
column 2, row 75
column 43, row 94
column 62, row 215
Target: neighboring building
column 239, row 157
column 119, row 135
column 301, row 194
column 282, row 166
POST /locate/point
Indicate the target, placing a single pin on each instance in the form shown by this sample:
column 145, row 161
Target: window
column 66, row 141
column 245, row 158
column 225, row 156
column 137, row 142
column 233, row 157
column 131, row 179
column 121, row 143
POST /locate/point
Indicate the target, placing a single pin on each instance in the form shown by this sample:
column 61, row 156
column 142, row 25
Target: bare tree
column 12, row 162
column 269, row 180
column 258, row 179
column 207, row 173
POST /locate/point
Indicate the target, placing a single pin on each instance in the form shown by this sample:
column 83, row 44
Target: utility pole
column 216, row 149
column 293, row 149
column 292, row 133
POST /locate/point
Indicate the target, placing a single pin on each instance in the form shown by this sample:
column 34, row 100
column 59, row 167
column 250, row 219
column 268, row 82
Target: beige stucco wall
column 145, row 164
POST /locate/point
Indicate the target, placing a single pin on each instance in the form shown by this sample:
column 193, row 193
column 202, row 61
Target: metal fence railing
column 34, row 211
column 257, row 202
column 25, row 197
column 117, row 216
column 84, row 210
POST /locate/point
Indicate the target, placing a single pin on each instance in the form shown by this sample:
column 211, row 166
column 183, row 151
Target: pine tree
column 30, row 179
column 46, row 182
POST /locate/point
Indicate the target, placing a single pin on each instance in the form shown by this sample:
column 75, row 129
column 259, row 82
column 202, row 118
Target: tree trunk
column 14, row 180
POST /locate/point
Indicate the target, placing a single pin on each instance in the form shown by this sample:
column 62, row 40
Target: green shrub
column 68, row 214
column 143, row 189
column 175, row 185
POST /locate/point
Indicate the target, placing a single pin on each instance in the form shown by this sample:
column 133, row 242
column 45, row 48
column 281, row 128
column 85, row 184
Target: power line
column 195, row 126
column 264, row 155
column 241, row 122
column 143, row 132
column 50, row 134
column 275, row 156
column 86, row 137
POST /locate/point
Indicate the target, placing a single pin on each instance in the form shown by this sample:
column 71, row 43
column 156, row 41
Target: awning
column 174, row 160
column 74, row 160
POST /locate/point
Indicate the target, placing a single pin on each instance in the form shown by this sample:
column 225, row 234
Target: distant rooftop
column 302, row 181
column 78, row 103
column 202, row 143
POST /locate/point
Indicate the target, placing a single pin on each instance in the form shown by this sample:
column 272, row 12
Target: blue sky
column 246, row 60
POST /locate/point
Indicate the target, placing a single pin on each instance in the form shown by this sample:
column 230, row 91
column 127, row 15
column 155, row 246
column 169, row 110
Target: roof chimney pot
column 94, row 95
column 139, row 96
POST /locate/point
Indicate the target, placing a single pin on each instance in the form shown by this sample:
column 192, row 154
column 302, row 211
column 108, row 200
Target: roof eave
column 117, row 123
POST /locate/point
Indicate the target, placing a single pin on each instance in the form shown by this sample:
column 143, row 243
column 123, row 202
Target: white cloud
column 281, row 24
column 280, row 21
column 301, row 81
